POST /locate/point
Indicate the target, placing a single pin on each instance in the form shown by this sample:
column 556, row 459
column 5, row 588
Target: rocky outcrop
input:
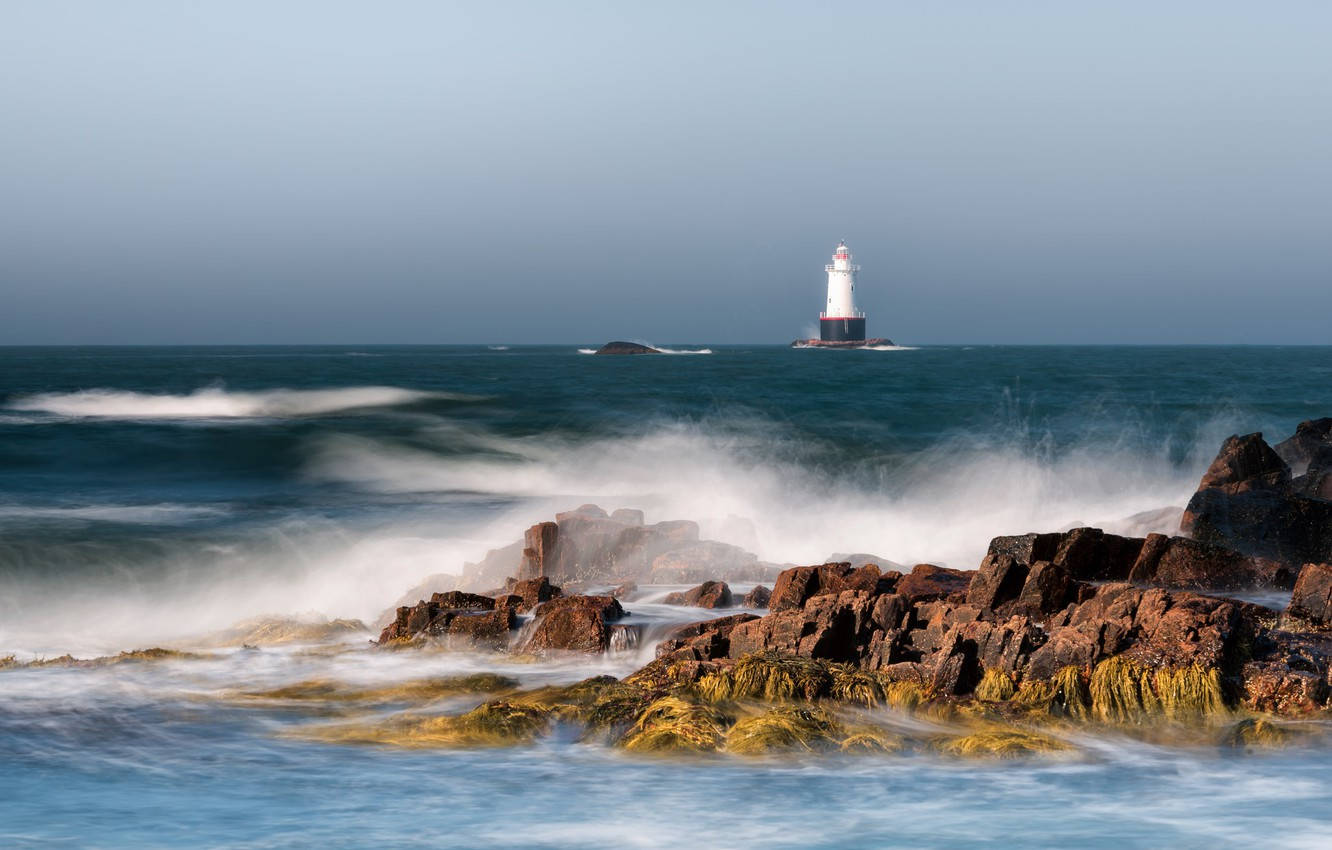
column 706, row 640
column 709, row 594
column 621, row 347
column 705, row 560
column 466, row 616
column 1249, row 500
column 1091, row 555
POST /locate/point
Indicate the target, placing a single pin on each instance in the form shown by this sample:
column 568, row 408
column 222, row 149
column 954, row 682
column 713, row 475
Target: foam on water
column 219, row 403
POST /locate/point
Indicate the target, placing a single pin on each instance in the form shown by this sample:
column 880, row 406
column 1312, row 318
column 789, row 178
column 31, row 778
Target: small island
column 620, row 347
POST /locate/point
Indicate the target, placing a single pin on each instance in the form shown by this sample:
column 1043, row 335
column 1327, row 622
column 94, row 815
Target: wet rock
column 1277, row 688
column 709, row 594
column 1181, row 562
column 539, row 554
column 1000, row 579
column 1249, row 502
column 431, row 617
column 490, row 629
column 757, row 598
column 1312, row 597
column 926, row 582
column 1048, row 588
column 573, row 624
column 533, row 591
column 706, row 640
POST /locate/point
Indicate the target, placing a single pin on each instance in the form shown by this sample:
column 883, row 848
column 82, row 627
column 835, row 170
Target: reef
column 620, row 347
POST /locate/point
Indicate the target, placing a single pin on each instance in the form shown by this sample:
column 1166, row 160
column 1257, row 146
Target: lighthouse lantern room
column 840, row 321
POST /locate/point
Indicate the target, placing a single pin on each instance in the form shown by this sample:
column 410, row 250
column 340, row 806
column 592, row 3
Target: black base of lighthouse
column 842, row 330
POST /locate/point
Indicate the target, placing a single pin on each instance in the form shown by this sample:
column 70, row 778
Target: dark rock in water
column 1248, row 501
column 709, row 594
column 1312, row 598
column 432, row 617
column 490, row 629
column 757, row 598
column 620, row 347
column 573, row 624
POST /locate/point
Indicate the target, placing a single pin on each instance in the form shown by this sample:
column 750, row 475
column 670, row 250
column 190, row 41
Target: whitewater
column 159, row 496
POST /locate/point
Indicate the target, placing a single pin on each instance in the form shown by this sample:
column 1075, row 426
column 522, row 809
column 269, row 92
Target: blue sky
column 176, row 172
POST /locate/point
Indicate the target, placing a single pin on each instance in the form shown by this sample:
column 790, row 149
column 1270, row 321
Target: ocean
column 152, row 496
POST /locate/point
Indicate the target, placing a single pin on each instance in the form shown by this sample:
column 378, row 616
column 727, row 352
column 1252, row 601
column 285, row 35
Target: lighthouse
column 840, row 321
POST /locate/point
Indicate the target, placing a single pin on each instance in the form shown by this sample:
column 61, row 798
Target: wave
column 160, row 514
column 759, row 487
column 659, row 350
column 219, row 403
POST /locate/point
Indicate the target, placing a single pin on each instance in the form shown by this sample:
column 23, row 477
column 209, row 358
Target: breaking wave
column 219, row 403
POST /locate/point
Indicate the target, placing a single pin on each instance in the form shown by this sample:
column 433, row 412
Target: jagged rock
column 1312, row 597
column 709, row 594
column 490, row 629
column 1000, row 579
column 573, row 624
column 706, row 640
column 926, row 582
column 431, row 617
column 757, row 598
column 1310, row 439
column 1249, row 502
column 1048, row 588
column 540, row 545
column 797, row 585
column 1089, row 554
column 533, row 591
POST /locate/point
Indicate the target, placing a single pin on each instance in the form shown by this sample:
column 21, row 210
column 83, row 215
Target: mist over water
column 156, row 496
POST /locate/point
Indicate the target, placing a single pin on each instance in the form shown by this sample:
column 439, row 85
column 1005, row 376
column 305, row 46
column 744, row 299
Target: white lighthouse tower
column 840, row 321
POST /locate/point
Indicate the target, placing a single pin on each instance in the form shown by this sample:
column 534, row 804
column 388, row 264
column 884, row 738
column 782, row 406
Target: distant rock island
column 620, row 347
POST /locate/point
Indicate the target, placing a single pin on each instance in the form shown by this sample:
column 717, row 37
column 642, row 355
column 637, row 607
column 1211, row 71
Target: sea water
column 151, row 496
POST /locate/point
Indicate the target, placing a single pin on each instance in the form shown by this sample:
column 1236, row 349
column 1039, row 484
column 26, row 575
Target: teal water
column 152, row 495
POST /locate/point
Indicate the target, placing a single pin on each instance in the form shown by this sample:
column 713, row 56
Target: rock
column 488, row 572
column 620, row 347
column 1249, row 502
column 625, row 590
column 862, row 558
column 540, row 545
column 1047, row 589
column 432, row 617
column 1277, row 688
column 797, row 585
column 588, row 510
column 533, row 591
column 437, row 583
column 1310, row 439
column 757, row 598
column 573, row 624
column 1090, row 555
column 999, row 580
column 709, row 594
column 490, row 629
column 706, row 640
column 1312, row 597
column 1181, row 562
column 926, row 582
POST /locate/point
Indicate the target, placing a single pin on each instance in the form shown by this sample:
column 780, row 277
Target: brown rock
column 1000, row 579
column 1181, row 562
column 1048, row 588
column 706, row 640
column 574, row 624
column 1312, row 597
column 534, row 591
column 1310, row 438
column 1246, row 463
column 489, row 629
column 757, row 598
column 926, row 582
column 799, row 584
column 625, row 590
column 709, row 594
column 540, row 543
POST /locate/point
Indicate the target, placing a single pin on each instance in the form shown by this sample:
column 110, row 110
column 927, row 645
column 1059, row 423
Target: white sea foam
column 587, row 351
column 220, row 403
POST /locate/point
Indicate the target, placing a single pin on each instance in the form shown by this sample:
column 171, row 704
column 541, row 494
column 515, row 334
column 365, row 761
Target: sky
column 435, row 172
